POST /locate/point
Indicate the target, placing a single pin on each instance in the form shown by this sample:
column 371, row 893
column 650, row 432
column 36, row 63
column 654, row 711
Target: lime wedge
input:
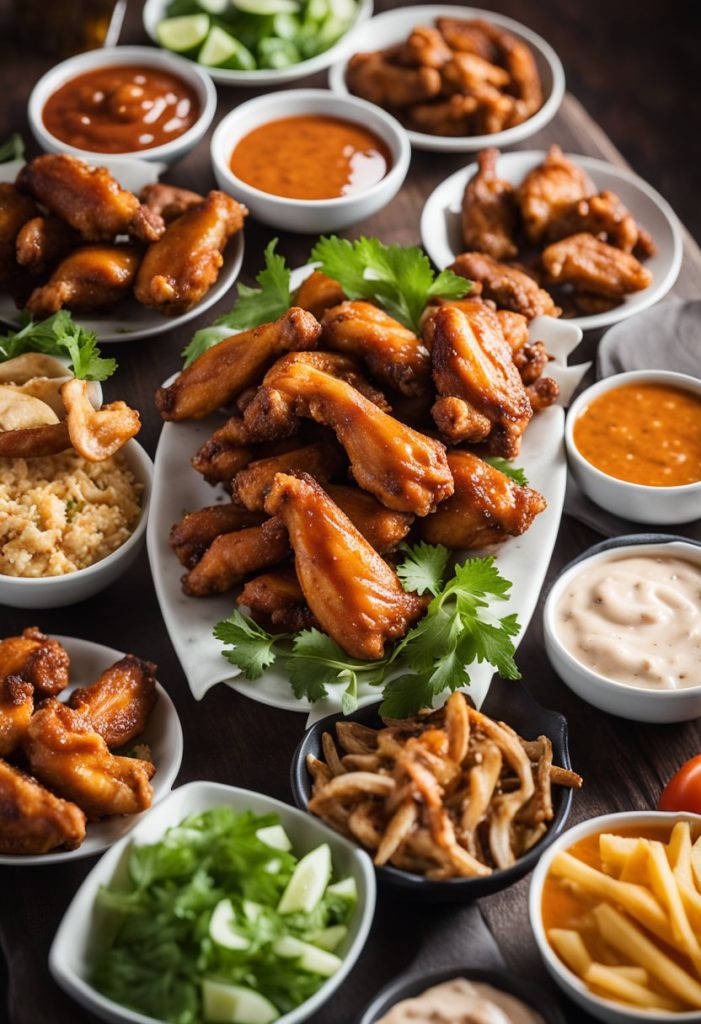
column 266, row 7
column 310, row 958
column 214, row 6
column 221, row 50
column 183, row 34
column 309, row 880
column 275, row 836
column 233, row 1004
column 329, row 938
column 346, row 888
column 222, row 927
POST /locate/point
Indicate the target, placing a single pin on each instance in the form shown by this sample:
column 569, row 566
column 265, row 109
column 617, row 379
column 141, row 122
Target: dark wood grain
column 231, row 739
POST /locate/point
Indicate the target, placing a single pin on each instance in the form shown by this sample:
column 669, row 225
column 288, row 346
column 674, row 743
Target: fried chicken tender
column 67, row 754
column 393, row 354
column 374, row 78
column 16, row 710
column 317, row 293
column 549, row 190
column 594, row 267
column 323, row 460
column 181, row 267
column 118, row 704
column 488, row 210
column 169, row 201
column 191, row 537
column 89, row 278
column 42, row 241
column 381, row 527
column 275, row 601
column 231, row 556
column 36, row 659
column 352, row 592
column 88, row 199
column 507, row 286
column 34, row 821
column 15, row 210
column 486, row 508
column 96, row 434
column 225, row 370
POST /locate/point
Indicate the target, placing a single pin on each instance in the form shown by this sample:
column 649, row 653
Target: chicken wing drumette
column 89, row 278
column 15, row 210
column 42, row 241
column 233, row 556
column 548, row 190
column 317, row 293
column 36, row 659
column 118, row 704
column 594, row 267
column 489, row 211
column 34, row 821
column 507, row 286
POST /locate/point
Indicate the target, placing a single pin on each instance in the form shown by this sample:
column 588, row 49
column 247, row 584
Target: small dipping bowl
column 310, row 216
column 637, row 703
column 641, row 503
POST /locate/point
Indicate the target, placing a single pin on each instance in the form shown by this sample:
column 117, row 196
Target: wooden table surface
column 231, row 739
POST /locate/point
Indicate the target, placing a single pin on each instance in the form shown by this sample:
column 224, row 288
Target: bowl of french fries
column 452, row 804
column 615, row 907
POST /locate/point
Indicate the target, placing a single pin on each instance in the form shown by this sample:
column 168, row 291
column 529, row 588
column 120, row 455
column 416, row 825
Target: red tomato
column 683, row 791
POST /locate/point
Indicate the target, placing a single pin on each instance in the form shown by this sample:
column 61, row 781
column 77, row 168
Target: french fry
column 614, row 851
column 637, row 974
column 679, row 849
column 635, row 867
column 569, row 946
column 616, row 984
column 696, row 863
column 665, row 886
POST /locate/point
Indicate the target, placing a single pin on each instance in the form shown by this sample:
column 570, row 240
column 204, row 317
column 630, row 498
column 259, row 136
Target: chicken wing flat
column 231, row 556
column 181, row 267
column 118, row 704
column 169, row 201
column 42, row 241
column 89, row 278
column 488, row 210
column 373, row 77
column 317, row 293
column 486, row 508
column 36, row 659
column 323, row 460
column 425, row 47
column 275, row 601
column 65, row 753
column 603, row 215
column 548, row 190
column 519, row 62
column 34, row 821
column 191, row 537
column 88, row 199
column 225, row 370
column 383, row 528
column 228, row 450
column 453, row 116
column 468, row 36
column 350, row 589
column 337, row 364
column 15, row 210
column 507, row 286
column 469, row 73
column 594, row 267
column 16, row 709
column 393, row 354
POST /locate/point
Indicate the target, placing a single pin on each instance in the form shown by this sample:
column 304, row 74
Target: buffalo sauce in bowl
column 121, row 109
column 311, row 157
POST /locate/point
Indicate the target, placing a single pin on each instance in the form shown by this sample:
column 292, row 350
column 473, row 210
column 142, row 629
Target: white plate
column 163, row 734
column 155, row 11
column 178, row 489
column 440, row 224
column 129, row 320
column 394, row 27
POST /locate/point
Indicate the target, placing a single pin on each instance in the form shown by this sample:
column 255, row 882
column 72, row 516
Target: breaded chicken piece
column 232, row 556
column 548, row 190
column 36, row 659
column 374, row 78
column 323, row 460
column 606, row 217
column 169, row 201
column 91, row 277
column 16, row 709
column 594, row 267
column 317, row 293
column 34, row 821
column 275, row 601
column 453, row 116
column 191, row 537
column 488, row 214
column 42, row 241
column 15, row 210
column 507, row 286
column 117, row 705
column 425, row 47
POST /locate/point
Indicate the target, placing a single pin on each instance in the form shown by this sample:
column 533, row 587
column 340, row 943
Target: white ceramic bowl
column 302, row 215
column 146, row 56
column 77, row 938
column 395, row 25
column 156, row 10
column 638, row 502
column 603, row 1009
column 57, row 591
column 637, row 703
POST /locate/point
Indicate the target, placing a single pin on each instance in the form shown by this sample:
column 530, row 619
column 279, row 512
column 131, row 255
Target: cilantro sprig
column 12, row 148
column 59, row 335
column 505, row 467
column 458, row 630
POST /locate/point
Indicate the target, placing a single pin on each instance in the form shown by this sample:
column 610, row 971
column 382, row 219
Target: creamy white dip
column 462, row 1002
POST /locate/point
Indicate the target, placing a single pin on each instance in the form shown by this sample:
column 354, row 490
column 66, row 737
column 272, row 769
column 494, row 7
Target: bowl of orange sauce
column 309, row 161
column 634, row 445
column 127, row 101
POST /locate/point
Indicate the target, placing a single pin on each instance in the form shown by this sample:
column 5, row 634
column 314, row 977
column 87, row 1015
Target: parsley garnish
column 59, row 335
column 505, row 467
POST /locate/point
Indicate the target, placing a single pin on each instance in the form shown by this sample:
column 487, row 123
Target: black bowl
column 507, row 701
column 628, row 540
column 405, row 988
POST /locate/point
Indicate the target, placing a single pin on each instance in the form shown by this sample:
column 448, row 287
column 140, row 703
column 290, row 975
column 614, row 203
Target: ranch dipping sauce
column 635, row 619
column 462, row 1002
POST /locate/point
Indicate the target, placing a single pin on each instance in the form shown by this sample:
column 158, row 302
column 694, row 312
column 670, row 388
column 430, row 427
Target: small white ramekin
column 146, row 56
column 637, row 502
column 310, row 216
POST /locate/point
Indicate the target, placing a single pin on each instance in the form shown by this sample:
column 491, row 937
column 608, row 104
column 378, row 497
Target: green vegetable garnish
column 505, row 467
column 59, row 335
column 12, row 148
column 457, row 630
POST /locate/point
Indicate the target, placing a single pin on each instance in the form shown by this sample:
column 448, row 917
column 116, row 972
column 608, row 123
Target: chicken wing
column 383, row 528
column 373, row 77
column 225, row 370
column 169, row 201
column 392, row 353
column 181, row 267
column 594, row 267
column 191, row 537
column 488, row 210
column 89, row 278
column 453, row 116
column 15, row 210
column 36, row 659
column 507, row 286
column 231, row 556
column 317, row 293
column 519, row 62
column 530, row 357
column 34, row 821
column 548, row 190
column 65, row 753
column 118, row 704
column 323, row 460
column 228, row 450
column 486, row 508
column 425, row 47
column 467, row 36
column 16, row 709
column 88, row 199
column 42, row 241
column 275, row 601
column 603, row 215
column 349, row 588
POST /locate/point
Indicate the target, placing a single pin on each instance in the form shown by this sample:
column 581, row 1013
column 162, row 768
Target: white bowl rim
column 395, row 136
column 76, row 985
column 532, row 124
column 684, row 382
column 603, row 682
column 80, row 63
column 585, row 828
column 144, row 475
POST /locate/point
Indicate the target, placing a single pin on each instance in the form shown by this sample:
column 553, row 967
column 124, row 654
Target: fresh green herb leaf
column 12, row 148
column 253, row 649
column 203, row 339
column 423, row 569
column 59, row 335
column 505, row 467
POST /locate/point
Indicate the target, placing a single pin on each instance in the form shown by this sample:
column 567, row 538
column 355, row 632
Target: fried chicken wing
column 16, row 709
column 275, row 601
column 486, row 508
column 509, row 287
column 228, row 450
column 453, row 116
column 374, row 78
column 350, row 589
column 323, row 460
column 96, row 434
column 520, row 66
column 42, row 241
column 15, row 210
column 530, row 357
column 65, row 753
column 33, row 442
column 231, row 556
column 488, row 210
column 381, row 527
column 225, row 370
column 118, row 704
column 169, row 201
column 548, row 190
column 467, row 36
column 88, row 199
column 603, row 215
column 594, row 267
column 181, row 267
column 37, row 659
column 34, row 821
column 89, row 278
column 191, row 537
column 317, row 293
column 425, row 47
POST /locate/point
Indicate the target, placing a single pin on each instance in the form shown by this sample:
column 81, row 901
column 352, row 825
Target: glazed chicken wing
column 548, row 190
column 231, row 556
column 520, row 65
column 355, row 596
column 530, row 357
column 16, row 709
column 507, row 286
column 594, row 267
column 169, row 201
column 228, row 450
column 323, row 460
column 89, row 278
column 603, row 215
column 373, row 77
column 275, row 601
column 15, row 210
column 453, row 116
column 382, row 527
column 317, row 293
column 42, row 241
column 180, row 268
column 34, row 821
column 486, row 508
column 88, row 199
column 118, row 704
column 425, row 47
column 36, row 659
column 468, row 36
column 67, row 754
column 488, row 210
column 191, row 537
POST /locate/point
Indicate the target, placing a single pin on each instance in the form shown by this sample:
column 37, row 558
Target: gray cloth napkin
column 666, row 337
